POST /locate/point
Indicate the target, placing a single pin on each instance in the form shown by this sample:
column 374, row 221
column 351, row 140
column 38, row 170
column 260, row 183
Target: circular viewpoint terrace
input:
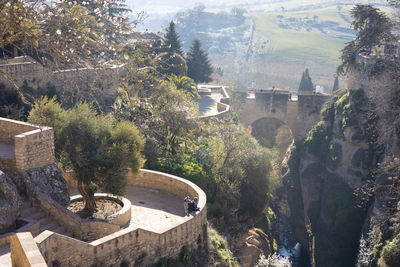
column 158, row 228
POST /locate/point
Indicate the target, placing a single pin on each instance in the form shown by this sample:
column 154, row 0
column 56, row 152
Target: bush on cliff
column 391, row 252
column 318, row 139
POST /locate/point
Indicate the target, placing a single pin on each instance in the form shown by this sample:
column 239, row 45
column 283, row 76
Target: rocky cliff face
column 10, row 203
column 335, row 181
column 47, row 180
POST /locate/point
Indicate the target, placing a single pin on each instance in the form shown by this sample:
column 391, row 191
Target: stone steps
column 27, row 212
column 46, row 222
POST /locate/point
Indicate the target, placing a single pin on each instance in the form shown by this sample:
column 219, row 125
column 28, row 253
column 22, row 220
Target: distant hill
column 271, row 48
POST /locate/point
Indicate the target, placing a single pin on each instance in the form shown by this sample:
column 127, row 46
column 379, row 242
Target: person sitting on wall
column 192, row 206
column 186, row 202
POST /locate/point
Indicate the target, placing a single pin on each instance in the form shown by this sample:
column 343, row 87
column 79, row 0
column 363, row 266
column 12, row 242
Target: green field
column 284, row 44
column 273, row 48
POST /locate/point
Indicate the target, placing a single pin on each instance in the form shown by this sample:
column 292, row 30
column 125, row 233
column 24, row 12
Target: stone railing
column 136, row 246
column 24, row 251
column 32, row 146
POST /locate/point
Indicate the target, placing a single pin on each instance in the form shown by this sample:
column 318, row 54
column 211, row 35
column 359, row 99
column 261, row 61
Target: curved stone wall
column 134, row 246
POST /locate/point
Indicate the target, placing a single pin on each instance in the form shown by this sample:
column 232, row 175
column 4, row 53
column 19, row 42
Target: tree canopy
column 336, row 84
column 306, row 84
column 172, row 44
column 97, row 148
column 373, row 28
column 199, row 67
column 171, row 64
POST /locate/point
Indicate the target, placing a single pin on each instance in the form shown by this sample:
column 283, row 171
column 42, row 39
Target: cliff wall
column 342, row 179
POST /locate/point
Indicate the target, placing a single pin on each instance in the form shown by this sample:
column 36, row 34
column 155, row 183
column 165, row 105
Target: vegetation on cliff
column 332, row 203
column 373, row 28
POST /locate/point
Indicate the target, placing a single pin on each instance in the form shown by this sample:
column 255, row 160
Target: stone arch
column 272, row 132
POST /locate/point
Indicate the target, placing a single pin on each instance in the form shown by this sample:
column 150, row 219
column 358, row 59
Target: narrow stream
column 287, row 246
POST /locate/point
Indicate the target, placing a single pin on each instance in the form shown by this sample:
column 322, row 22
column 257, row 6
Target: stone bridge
column 298, row 113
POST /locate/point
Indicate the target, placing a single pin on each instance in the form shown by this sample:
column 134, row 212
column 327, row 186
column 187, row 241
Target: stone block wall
column 34, row 149
column 10, row 128
column 273, row 101
column 8, row 164
column 100, row 83
column 133, row 246
column 33, row 145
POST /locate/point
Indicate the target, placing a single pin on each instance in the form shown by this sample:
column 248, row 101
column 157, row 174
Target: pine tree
column 306, row 84
column 172, row 44
column 199, row 67
column 336, row 85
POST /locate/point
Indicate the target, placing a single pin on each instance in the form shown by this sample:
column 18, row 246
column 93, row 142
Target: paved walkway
column 208, row 104
column 7, row 151
column 151, row 209
column 154, row 210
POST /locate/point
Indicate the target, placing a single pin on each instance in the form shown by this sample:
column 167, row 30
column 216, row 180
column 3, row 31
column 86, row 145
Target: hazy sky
column 159, row 12
column 172, row 6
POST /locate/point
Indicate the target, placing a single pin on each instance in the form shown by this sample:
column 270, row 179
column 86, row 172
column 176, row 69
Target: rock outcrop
column 10, row 203
column 47, row 180
column 255, row 243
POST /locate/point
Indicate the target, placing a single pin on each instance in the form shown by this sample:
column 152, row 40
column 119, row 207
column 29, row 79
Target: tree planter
column 122, row 217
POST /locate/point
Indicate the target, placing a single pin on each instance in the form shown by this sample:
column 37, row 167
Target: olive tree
column 99, row 149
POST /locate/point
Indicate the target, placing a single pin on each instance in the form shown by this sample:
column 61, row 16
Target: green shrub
column 328, row 112
column 334, row 155
column 318, row 139
column 349, row 106
column 185, row 255
column 391, row 252
column 220, row 245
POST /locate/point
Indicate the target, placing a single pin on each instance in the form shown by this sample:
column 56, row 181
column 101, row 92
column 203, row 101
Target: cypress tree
column 199, row 66
column 336, row 84
column 172, row 44
column 306, row 84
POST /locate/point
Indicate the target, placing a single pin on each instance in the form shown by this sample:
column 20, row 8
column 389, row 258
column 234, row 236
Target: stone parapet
column 10, row 128
column 33, row 145
column 133, row 246
column 34, row 149
column 24, row 251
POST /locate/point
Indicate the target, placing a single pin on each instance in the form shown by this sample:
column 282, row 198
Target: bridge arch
column 299, row 115
column 272, row 132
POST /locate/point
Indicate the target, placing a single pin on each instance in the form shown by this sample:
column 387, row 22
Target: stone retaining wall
column 133, row 246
